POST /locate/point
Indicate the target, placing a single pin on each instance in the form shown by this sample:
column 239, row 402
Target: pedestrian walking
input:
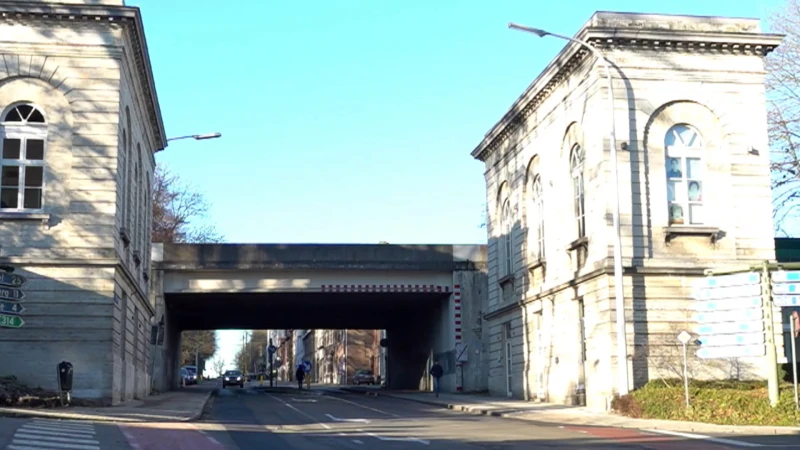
column 300, row 374
column 436, row 372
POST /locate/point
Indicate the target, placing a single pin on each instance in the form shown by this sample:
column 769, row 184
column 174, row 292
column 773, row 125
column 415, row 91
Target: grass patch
column 717, row 402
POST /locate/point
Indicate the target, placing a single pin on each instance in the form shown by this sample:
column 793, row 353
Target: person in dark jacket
column 436, row 372
column 299, row 374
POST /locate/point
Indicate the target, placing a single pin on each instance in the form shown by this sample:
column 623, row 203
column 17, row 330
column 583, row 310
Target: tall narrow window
column 537, row 214
column 684, row 147
column 24, row 132
column 507, row 247
column 576, row 169
column 129, row 175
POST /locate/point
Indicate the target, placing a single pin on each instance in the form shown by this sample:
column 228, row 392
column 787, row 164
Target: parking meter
column 65, row 373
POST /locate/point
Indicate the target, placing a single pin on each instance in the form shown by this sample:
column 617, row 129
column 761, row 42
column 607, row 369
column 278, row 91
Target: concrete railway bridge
column 428, row 298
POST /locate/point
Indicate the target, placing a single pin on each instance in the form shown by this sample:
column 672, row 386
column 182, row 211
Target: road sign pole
column 684, row 338
column 792, row 337
column 771, row 360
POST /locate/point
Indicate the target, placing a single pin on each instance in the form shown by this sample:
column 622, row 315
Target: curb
column 513, row 414
column 66, row 414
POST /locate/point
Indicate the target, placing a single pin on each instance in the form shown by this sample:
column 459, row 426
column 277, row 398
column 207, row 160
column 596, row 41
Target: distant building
column 694, row 183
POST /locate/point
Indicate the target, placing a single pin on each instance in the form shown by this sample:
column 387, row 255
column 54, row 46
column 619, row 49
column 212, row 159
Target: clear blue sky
column 353, row 121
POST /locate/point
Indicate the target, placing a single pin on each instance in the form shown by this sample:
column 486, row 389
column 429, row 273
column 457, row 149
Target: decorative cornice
column 610, row 38
column 127, row 16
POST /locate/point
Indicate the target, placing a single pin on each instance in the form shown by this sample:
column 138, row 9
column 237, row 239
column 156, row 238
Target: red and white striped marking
column 427, row 288
column 457, row 318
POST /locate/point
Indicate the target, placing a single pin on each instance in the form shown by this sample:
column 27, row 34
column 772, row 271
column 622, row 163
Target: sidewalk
column 182, row 405
column 564, row 415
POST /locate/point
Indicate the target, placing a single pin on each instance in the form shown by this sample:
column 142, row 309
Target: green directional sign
column 7, row 321
column 9, row 279
column 11, row 294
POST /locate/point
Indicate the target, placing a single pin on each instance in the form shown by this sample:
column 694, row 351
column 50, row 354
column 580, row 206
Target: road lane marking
column 358, row 441
column 61, row 445
column 397, row 439
column 706, row 438
column 326, row 426
column 337, row 419
column 44, row 434
column 304, row 400
column 364, row 406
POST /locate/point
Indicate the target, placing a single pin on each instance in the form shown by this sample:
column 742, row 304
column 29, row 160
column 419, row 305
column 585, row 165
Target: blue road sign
column 11, row 308
column 736, row 279
column 307, row 366
column 272, row 349
column 722, row 293
column 731, row 327
column 727, row 305
column 782, row 276
column 736, row 315
column 9, row 279
column 735, row 351
column 786, row 288
column 725, row 340
column 786, row 300
column 7, row 293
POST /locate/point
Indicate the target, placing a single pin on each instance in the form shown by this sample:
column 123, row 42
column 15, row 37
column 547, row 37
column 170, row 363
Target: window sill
column 25, row 216
column 577, row 243
column 505, row 279
column 146, row 274
column 672, row 232
column 137, row 257
column 539, row 262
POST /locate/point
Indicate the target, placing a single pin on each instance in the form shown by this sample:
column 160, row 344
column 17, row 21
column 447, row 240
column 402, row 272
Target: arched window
column 576, row 163
column 24, row 133
column 535, row 218
column 684, row 150
column 506, row 221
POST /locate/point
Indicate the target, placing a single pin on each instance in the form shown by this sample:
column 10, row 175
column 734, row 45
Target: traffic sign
column 7, row 321
column 11, row 294
column 721, row 293
column 738, row 279
column 9, row 279
column 735, row 315
column 729, row 304
column 11, row 308
column 735, row 351
column 725, row 340
column 731, row 327
column 307, row 366
column 783, row 276
column 272, row 349
column 786, row 288
column 786, row 300
column 684, row 337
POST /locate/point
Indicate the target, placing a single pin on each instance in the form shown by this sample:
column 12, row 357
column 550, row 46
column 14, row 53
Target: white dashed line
column 326, row 426
column 365, row 407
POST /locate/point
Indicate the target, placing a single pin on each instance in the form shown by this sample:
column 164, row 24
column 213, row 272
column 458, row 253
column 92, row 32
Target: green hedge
column 719, row 402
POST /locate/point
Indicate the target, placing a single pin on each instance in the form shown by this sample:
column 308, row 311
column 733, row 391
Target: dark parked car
column 364, row 377
column 232, row 377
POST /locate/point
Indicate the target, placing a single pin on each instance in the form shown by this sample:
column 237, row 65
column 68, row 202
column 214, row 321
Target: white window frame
column 506, row 221
column 535, row 219
column 577, row 162
column 24, row 132
column 683, row 152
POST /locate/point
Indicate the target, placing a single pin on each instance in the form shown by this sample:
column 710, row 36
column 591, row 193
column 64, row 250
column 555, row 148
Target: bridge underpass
column 427, row 298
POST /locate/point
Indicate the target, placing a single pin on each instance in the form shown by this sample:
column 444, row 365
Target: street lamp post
column 619, row 294
column 197, row 137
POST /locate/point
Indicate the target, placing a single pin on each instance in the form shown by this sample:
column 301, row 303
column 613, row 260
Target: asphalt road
column 250, row 419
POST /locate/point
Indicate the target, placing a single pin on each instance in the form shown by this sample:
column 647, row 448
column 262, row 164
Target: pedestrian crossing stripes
column 54, row 435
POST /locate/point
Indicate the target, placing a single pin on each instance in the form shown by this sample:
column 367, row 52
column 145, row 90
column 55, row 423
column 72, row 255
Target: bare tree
column 198, row 346
column 219, row 366
column 179, row 211
column 783, row 94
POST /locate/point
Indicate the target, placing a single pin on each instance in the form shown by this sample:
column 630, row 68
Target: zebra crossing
column 54, row 435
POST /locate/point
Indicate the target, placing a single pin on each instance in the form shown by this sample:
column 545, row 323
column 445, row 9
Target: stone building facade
column 80, row 124
column 694, row 183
